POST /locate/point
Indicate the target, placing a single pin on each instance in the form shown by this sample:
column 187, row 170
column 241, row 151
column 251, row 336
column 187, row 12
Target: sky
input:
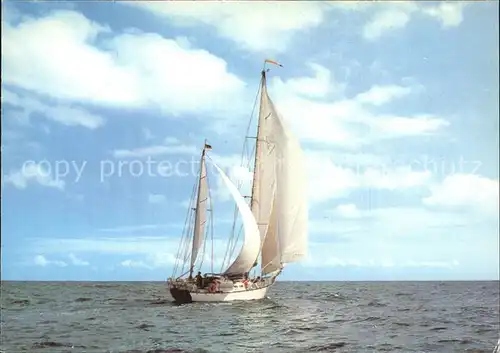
column 106, row 106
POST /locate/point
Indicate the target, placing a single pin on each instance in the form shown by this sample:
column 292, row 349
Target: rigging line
column 236, row 241
column 204, row 249
column 184, row 232
column 187, row 247
column 211, row 224
column 233, row 242
column 245, row 141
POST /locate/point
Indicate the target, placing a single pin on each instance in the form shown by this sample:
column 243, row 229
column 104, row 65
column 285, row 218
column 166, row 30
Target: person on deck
column 199, row 280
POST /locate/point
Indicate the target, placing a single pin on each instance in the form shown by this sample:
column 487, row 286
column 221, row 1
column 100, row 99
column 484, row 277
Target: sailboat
column 274, row 222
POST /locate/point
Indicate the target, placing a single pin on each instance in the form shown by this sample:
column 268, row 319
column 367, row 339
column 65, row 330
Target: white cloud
column 316, row 87
column 379, row 95
column 393, row 179
column 392, row 220
column 396, row 15
column 348, row 211
column 148, row 135
column 347, row 122
column 110, row 245
column 320, row 259
column 450, row 14
column 397, row 126
column 385, row 21
column 156, row 198
column 171, row 140
column 77, row 261
column 150, row 252
column 42, row 261
column 432, row 264
column 469, row 191
column 136, row 228
column 329, row 180
column 63, row 114
column 134, row 69
column 242, row 22
column 134, row 264
column 155, row 150
column 261, row 26
column 31, row 173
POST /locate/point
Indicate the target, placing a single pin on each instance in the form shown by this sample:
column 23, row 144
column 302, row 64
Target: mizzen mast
column 200, row 217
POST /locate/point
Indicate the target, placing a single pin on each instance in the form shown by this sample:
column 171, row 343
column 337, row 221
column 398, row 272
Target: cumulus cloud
column 63, row 114
column 379, row 263
column 347, row 122
column 134, row 264
column 233, row 22
column 385, row 21
column 469, row 191
column 329, row 180
column 42, row 261
column 32, row 173
column 148, row 252
column 156, row 198
column 379, row 95
column 450, row 14
column 242, row 23
column 155, row 150
column 394, row 16
column 77, row 261
column 131, row 69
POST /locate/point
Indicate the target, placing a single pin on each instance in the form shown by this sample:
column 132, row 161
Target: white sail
column 265, row 176
column 289, row 237
column 251, row 244
column 270, row 249
column 201, row 212
column 291, row 201
column 264, row 182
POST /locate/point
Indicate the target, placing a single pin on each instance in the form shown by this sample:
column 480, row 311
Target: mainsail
column 200, row 217
column 279, row 201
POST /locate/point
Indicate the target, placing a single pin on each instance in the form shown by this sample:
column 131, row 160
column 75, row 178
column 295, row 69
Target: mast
column 256, row 167
column 259, row 174
column 262, row 188
column 199, row 222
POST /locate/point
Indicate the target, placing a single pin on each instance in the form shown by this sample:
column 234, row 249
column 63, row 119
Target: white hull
column 253, row 294
column 189, row 293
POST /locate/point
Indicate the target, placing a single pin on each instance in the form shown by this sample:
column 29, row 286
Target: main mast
column 255, row 198
column 256, row 166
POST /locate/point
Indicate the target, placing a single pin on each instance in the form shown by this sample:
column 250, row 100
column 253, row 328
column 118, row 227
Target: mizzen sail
column 200, row 217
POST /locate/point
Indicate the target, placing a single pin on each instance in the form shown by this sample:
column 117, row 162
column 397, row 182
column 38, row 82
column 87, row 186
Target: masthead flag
column 273, row 62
